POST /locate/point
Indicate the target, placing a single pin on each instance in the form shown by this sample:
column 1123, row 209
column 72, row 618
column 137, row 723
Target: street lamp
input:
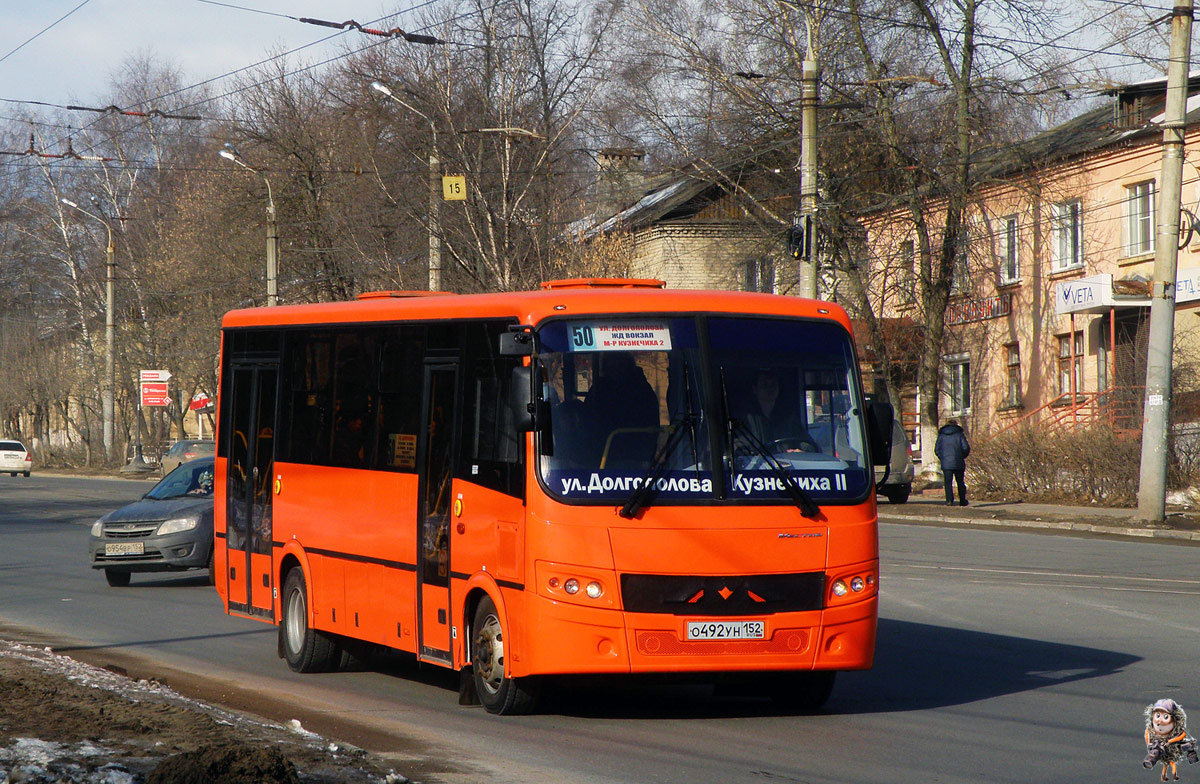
column 230, row 153
column 435, row 187
column 108, row 384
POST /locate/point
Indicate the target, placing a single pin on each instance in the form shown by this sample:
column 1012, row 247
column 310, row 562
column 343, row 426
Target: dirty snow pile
column 25, row 760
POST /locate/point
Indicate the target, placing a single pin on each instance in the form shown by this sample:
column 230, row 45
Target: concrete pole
column 272, row 254
column 435, row 219
column 1152, row 489
column 110, row 342
column 808, row 171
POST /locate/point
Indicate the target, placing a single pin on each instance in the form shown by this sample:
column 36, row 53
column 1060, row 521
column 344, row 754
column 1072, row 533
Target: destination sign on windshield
column 619, row 336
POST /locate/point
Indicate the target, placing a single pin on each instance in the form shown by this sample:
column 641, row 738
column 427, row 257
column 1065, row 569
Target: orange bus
column 602, row 476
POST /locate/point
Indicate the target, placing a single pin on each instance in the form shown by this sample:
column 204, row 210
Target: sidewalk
column 930, row 507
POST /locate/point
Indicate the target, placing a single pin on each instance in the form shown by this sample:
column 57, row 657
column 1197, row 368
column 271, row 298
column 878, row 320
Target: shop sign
column 979, row 309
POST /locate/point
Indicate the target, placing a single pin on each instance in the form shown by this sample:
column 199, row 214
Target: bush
column 1091, row 466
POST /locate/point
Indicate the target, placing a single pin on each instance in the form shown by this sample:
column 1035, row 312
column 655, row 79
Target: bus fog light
column 595, row 590
column 554, row 582
column 840, row 589
column 857, row 584
column 571, row 586
column 870, row 579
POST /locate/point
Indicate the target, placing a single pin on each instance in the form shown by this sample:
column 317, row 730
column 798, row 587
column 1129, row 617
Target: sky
column 74, row 61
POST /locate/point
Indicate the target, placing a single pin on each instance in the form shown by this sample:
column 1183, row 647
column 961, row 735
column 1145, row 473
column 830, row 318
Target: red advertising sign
column 154, row 393
column 979, row 310
column 199, row 400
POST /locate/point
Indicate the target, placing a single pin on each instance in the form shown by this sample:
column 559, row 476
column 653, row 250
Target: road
column 1002, row 657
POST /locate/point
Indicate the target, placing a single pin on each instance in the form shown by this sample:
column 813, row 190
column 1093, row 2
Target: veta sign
column 979, row 309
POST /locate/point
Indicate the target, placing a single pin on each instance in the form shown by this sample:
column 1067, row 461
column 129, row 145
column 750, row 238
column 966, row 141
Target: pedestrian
column 952, row 450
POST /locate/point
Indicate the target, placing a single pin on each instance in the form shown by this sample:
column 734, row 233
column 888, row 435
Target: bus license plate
column 726, row 630
column 125, row 548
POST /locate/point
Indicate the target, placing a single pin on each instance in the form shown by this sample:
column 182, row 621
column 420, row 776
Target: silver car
column 170, row 529
column 14, row 458
column 897, row 486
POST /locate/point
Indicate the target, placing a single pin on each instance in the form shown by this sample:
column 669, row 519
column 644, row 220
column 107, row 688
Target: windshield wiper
column 637, row 499
column 737, row 429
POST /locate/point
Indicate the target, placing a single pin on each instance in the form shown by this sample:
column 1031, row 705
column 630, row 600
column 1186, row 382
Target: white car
column 14, row 458
column 898, row 485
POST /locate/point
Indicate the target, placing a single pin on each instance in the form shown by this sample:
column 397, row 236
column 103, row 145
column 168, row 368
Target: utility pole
column 272, row 252
column 108, row 384
column 110, row 342
column 435, row 216
column 806, row 225
column 435, row 189
column 1152, row 489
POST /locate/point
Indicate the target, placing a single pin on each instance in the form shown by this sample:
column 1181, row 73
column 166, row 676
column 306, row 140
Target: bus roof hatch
column 605, row 283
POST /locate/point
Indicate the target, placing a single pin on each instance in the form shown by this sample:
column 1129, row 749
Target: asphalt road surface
column 1002, row 657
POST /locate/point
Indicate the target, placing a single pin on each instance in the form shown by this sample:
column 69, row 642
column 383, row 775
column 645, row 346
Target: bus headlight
column 582, row 585
column 853, row 585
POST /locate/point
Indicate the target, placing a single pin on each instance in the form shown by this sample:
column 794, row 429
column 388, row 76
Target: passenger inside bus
column 620, row 413
column 771, row 420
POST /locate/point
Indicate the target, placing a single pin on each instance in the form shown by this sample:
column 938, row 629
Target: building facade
column 1049, row 310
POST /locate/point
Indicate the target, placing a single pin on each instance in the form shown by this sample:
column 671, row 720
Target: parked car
column 183, row 451
column 14, row 458
column 898, row 485
column 170, row 529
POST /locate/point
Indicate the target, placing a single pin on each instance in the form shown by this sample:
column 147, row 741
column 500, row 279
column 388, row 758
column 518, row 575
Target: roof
column 533, row 307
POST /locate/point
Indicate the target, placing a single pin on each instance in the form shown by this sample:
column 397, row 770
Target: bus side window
column 401, row 372
column 491, row 449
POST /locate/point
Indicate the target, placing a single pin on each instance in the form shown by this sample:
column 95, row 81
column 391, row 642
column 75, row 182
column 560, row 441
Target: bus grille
column 664, row 643
column 756, row 594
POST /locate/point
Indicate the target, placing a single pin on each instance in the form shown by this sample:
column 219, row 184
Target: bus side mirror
column 516, row 343
column 528, row 412
column 880, row 416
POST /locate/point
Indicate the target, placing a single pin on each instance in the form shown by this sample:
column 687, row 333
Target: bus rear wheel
column 305, row 648
column 499, row 693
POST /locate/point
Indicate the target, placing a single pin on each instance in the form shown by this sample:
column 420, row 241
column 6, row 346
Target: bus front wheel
column 498, row 693
column 305, row 648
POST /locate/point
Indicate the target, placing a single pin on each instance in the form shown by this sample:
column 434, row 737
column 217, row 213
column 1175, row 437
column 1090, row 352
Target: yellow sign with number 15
column 454, row 188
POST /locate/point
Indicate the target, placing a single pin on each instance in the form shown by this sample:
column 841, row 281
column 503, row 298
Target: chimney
column 620, row 179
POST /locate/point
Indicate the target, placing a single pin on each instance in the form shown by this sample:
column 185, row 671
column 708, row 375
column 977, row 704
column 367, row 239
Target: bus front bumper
column 577, row 639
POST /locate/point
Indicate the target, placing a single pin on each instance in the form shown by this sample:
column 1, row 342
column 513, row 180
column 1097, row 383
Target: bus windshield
column 764, row 402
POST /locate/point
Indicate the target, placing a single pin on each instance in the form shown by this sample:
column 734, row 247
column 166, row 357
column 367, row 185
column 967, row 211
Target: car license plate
column 726, row 630
column 125, row 548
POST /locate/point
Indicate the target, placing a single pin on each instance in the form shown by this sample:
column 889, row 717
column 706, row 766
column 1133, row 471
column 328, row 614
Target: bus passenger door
column 249, row 492
column 433, row 512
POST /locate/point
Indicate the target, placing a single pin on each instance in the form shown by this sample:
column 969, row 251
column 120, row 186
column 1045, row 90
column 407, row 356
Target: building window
column 1012, row 389
column 1068, row 235
column 1070, row 356
column 1139, row 219
column 1008, row 246
column 958, row 384
column 908, row 273
column 760, row 275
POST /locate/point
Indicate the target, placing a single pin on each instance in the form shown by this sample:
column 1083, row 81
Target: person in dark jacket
column 952, row 450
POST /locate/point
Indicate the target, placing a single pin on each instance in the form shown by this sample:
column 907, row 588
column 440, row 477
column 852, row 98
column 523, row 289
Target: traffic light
column 798, row 237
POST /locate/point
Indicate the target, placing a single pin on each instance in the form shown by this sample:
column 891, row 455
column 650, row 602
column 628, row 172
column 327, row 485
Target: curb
column 1187, row 537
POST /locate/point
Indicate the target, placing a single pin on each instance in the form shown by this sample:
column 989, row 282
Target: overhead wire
column 39, row 34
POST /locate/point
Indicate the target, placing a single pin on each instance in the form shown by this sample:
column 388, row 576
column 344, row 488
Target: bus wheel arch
column 499, row 693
